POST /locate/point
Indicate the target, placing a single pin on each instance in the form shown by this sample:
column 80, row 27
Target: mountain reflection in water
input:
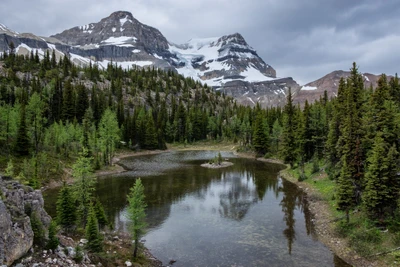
column 242, row 215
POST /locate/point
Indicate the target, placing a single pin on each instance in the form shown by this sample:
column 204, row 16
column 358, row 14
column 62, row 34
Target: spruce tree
column 66, row 208
column 260, row 135
column 92, row 232
column 22, row 143
column 381, row 190
column 289, row 130
column 344, row 191
column 150, row 137
column 136, row 213
column 100, row 214
column 68, row 104
column 53, row 240
column 82, row 102
column 84, row 184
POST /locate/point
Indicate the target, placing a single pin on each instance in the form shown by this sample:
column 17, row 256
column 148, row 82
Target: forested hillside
column 51, row 109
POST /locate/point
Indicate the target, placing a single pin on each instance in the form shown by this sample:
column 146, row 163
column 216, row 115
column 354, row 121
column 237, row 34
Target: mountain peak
column 120, row 28
column 121, row 14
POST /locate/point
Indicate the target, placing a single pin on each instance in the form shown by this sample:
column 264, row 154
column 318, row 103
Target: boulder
column 17, row 202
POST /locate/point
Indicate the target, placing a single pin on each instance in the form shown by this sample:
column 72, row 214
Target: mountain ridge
column 227, row 63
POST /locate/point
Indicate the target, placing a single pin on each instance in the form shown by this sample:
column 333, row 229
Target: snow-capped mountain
column 221, row 59
column 226, row 63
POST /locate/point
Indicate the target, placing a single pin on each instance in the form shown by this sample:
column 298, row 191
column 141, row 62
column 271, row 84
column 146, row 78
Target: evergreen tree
column 84, row 184
column 53, row 240
column 150, row 137
column 38, row 229
column 66, row 209
column 100, row 214
column 82, row 102
column 289, row 130
column 68, row 104
column 22, row 143
column 92, row 232
column 136, row 213
column 381, row 190
column 344, row 191
column 260, row 135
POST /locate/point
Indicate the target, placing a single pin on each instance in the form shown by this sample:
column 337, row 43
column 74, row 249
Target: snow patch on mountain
column 309, row 88
column 120, row 41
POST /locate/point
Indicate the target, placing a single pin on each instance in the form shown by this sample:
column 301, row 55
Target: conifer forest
column 56, row 115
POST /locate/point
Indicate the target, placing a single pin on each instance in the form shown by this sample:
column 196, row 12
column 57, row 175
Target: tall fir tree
column 289, row 130
column 381, row 190
column 66, row 208
column 136, row 213
column 22, row 144
column 92, row 233
column 260, row 134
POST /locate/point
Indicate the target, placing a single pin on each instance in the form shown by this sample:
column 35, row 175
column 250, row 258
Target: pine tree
column 53, row 240
column 289, row 130
column 38, row 229
column 22, row 143
column 344, row 191
column 92, row 232
column 100, row 214
column 260, row 135
column 381, row 190
column 84, row 184
column 68, row 104
column 136, row 213
column 150, row 136
column 82, row 102
column 66, row 209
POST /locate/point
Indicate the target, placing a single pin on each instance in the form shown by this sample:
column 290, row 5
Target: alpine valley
column 225, row 63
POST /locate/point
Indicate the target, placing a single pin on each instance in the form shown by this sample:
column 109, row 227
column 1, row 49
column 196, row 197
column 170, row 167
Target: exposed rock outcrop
column 17, row 202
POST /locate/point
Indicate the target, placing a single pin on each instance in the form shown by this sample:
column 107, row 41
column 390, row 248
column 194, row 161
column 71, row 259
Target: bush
column 302, row 177
column 364, row 240
column 315, row 166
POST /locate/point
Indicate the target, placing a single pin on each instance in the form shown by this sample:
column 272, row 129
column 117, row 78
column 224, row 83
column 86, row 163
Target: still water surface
column 242, row 215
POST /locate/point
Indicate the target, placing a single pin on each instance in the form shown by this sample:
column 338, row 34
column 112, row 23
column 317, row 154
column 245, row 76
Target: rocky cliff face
column 266, row 93
column 16, row 203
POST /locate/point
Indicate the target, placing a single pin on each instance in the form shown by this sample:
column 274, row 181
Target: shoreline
column 323, row 221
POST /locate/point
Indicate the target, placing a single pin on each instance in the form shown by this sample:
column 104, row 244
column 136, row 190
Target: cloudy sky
column 304, row 39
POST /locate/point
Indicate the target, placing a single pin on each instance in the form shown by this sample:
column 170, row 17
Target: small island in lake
column 217, row 163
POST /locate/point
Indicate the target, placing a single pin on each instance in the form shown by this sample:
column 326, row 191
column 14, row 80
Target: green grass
column 361, row 233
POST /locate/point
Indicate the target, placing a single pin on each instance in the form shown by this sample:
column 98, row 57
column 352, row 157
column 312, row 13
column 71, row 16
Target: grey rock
column 61, row 254
column 16, row 235
column 71, row 252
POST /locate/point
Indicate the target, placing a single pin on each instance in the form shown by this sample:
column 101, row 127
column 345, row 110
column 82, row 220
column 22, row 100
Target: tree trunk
column 136, row 248
column 347, row 216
